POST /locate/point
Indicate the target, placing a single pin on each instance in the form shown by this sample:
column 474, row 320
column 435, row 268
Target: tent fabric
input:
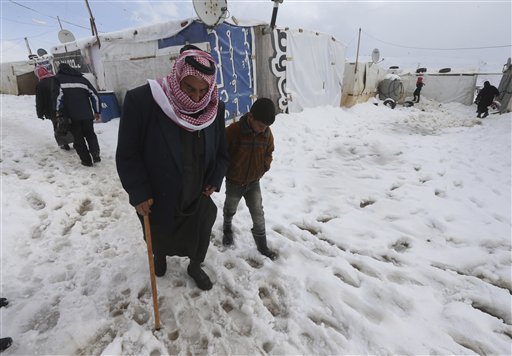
column 269, row 69
column 443, row 88
column 362, row 83
column 232, row 48
column 390, row 88
column 323, row 59
column 128, row 64
column 11, row 72
column 505, row 88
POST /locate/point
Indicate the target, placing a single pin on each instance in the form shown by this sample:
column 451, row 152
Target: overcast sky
column 398, row 28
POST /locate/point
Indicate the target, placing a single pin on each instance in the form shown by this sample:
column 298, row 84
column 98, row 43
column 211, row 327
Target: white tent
column 314, row 70
column 458, row 86
column 361, row 82
column 17, row 78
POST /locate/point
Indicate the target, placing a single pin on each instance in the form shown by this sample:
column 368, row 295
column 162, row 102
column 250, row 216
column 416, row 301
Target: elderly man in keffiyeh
column 171, row 156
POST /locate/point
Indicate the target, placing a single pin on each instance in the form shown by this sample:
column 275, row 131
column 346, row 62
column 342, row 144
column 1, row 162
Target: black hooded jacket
column 44, row 100
column 75, row 95
column 486, row 95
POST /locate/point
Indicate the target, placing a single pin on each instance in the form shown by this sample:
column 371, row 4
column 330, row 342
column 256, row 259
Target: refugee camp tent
column 249, row 56
column 361, row 81
column 298, row 68
column 314, row 70
column 18, row 78
column 126, row 59
column 456, row 86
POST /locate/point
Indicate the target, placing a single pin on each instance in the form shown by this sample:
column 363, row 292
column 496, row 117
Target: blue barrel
column 109, row 106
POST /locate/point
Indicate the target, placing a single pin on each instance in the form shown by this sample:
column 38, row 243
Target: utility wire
column 437, row 49
column 24, row 23
column 52, row 17
column 22, row 38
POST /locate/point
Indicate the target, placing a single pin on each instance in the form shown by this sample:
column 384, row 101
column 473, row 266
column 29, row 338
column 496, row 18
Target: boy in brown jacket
column 250, row 146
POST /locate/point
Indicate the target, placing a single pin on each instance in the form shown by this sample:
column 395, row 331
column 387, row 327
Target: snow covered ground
column 393, row 229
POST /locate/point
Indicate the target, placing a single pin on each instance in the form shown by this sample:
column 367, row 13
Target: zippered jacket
column 76, row 98
column 250, row 154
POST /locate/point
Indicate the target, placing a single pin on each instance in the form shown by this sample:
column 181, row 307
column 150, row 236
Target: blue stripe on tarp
column 231, row 46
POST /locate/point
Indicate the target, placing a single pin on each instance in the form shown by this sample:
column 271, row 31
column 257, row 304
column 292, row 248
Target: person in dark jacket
column 171, row 156
column 45, row 105
column 76, row 99
column 419, row 85
column 250, row 146
column 485, row 98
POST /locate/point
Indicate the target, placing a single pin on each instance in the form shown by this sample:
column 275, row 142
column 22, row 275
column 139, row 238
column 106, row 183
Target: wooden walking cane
column 147, row 229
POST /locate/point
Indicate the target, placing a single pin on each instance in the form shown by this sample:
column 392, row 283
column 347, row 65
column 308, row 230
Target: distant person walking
column 419, row 85
column 45, row 105
column 76, row 99
column 250, row 146
column 485, row 98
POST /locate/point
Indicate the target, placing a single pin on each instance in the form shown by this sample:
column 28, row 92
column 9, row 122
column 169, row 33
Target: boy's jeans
column 252, row 195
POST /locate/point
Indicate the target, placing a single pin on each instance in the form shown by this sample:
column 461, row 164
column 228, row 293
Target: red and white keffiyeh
column 176, row 103
column 42, row 72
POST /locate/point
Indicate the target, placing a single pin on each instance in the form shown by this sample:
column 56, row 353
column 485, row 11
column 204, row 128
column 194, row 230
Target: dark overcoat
column 149, row 154
column 45, row 106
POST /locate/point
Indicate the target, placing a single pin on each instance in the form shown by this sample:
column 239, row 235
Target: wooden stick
column 147, row 229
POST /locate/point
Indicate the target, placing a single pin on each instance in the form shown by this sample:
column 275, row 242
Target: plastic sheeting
column 271, row 66
column 9, row 73
column 128, row 64
column 443, row 88
column 505, row 88
column 314, row 70
column 390, row 88
column 362, row 83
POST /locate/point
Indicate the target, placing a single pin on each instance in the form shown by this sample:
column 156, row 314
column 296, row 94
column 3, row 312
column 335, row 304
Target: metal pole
column 28, row 46
column 59, row 22
column 357, row 54
column 274, row 13
column 94, row 30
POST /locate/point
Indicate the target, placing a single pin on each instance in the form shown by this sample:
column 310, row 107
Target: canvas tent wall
column 458, row 86
column 271, row 65
column 314, row 70
column 18, row 78
column 126, row 59
column 361, row 83
column 298, row 68
column 253, row 61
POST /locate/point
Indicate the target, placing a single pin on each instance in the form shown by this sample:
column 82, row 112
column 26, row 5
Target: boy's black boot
column 261, row 244
column 227, row 238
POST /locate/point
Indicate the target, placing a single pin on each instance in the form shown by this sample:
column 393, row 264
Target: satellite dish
column 41, row 52
column 375, row 55
column 211, row 12
column 66, row 36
